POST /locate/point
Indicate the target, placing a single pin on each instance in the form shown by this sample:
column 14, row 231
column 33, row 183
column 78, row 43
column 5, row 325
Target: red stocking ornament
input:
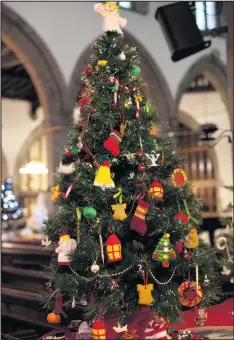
column 112, row 143
column 138, row 221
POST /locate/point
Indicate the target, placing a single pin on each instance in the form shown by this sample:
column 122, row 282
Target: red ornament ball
column 68, row 153
column 137, row 88
column 156, row 255
column 165, row 264
column 172, row 256
column 141, row 168
column 182, row 217
column 187, row 256
column 178, row 247
column 140, row 153
column 89, row 70
column 84, row 101
column 50, row 290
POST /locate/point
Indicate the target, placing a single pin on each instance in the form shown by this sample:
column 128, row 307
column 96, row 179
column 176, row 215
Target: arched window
column 200, row 166
column 33, row 172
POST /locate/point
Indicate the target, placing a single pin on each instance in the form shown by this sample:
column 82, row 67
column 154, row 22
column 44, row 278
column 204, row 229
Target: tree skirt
column 219, row 324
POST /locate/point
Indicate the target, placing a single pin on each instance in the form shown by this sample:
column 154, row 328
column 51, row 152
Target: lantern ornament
column 179, row 177
column 99, row 330
column 113, row 248
column 156, row 190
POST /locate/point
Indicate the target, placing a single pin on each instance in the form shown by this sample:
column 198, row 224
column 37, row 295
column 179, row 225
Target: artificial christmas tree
column 12, row 213
column 106, row 165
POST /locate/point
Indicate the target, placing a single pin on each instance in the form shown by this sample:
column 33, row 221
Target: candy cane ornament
column 115, row 89
column 138, row 99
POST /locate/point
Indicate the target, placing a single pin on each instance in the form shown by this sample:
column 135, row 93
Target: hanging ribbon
column 101, row 247
column 138, row 99
column 114, row 89
column 122, row 126
column 78, row 214
column 188, row 213
column 119, row 195
column 197, row 279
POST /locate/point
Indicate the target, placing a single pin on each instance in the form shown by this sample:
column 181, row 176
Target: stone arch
column 45, row 75
column 185, row 119
column 214, row 70
column 158, row 88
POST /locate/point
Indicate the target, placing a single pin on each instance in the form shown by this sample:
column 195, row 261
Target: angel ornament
column 111, row 19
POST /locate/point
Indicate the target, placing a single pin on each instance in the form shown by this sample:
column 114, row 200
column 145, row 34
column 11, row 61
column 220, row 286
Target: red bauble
column 187, row 256
column 156, row 255
column 139, row 153
column 137, row 88
column 141, row 168
column 182, row 217
column 172, row 256
column 84, row 101
column 82, row 110
column 165, row 264
column 89, row 70
column 68, row 153
column 178, row 247
column 50, row 290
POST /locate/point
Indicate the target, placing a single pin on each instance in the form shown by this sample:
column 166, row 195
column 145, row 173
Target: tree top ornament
column 110, row 12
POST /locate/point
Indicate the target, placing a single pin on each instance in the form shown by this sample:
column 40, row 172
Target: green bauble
column 89, row 212
column 63, row 154
column 135, row 70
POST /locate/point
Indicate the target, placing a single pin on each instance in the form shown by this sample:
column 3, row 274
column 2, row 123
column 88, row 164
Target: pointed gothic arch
column 158, row 88
column 45, row 74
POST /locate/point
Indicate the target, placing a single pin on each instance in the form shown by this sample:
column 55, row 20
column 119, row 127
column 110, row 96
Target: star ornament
column 56, row 193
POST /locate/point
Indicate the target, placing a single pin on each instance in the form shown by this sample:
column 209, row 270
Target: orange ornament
column 191, row 295
column 179, row 177
column 53, row 318
column 153, row 130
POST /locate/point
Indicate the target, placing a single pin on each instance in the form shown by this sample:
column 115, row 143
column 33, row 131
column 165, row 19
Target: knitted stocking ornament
column 138, row 221
column 112, row 143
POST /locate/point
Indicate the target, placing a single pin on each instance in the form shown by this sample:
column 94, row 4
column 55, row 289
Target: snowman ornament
column 111, row 19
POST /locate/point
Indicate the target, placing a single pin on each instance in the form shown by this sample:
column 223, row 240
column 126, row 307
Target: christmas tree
column 120, row 188
column 12, row 213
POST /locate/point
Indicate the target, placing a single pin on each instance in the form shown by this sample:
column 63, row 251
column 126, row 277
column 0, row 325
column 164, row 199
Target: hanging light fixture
column 34, row 168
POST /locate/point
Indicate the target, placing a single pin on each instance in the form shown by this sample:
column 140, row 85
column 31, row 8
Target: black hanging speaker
column 180, row 30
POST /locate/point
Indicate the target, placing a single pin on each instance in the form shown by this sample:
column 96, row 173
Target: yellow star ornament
column 55, row 193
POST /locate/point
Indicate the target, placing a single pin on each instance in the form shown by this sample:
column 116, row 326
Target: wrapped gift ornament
column 99, row 330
